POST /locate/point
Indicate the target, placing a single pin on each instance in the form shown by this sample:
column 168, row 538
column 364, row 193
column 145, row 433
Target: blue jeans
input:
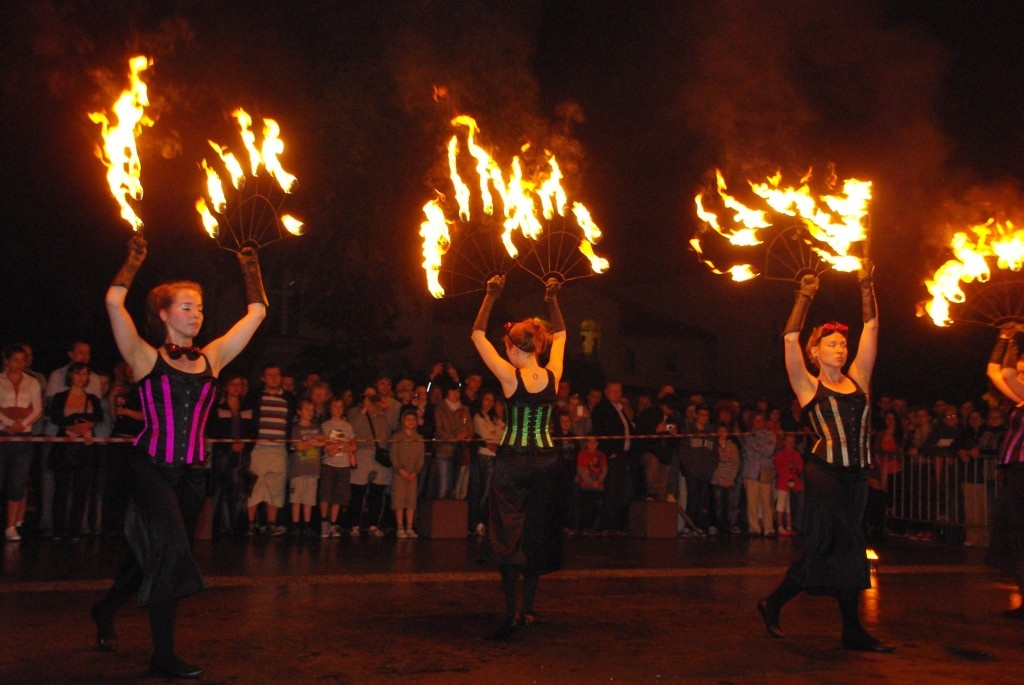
column 444, row 477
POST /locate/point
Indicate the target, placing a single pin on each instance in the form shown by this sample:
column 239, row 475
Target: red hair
column 530, row 336
column 160, row 299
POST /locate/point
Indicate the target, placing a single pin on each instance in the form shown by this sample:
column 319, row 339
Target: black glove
column 868, row 303
column 136, row 255
column 556, row 323
column 248, row 258
column 494, row 287
column 804, row 296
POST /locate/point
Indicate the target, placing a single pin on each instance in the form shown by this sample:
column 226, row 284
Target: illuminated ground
column 416, row 611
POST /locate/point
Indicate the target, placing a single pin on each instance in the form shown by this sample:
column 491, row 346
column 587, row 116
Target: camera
column 374, row 399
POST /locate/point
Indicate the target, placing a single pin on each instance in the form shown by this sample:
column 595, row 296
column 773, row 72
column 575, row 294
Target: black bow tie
column 175, row 352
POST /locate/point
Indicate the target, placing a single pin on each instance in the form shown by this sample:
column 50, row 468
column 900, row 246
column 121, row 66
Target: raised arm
column 1002, row 365
column 800, row 379
column 556, row 325
column 139, row 354
column 221, row 351
column 867, row 349
column 502, row 369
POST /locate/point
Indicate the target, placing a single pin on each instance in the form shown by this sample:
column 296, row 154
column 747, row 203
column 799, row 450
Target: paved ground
column 374, row 610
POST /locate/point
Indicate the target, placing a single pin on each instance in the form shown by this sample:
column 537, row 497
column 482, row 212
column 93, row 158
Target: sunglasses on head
column 834, row 327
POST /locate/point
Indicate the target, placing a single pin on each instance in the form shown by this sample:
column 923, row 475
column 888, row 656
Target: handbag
column 381, row 455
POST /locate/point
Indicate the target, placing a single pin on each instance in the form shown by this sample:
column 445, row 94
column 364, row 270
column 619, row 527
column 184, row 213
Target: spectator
column 454, row 427
column 370, row 478
column 591, row 470
column 21, row 405
column 406, row 463
column 699, row 459
column 723, row 480
column 656, row 458
column 614, row 429
column 788, row 483
column 307, row 443
column 272, row 414
column 230, row 420
column 75, row 413
column 336, row 470
column 488, row 427
column 568, row 446
column 759, row 477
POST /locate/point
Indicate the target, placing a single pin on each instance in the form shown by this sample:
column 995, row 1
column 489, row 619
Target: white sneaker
column 355, row 531
column 277, row 531
column 376, row 532
column 335, row 531
column 325, row 529
column 411, row 533
column 401, row 533
column 11, row 535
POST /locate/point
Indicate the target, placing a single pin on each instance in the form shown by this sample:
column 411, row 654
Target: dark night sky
column 922, row 97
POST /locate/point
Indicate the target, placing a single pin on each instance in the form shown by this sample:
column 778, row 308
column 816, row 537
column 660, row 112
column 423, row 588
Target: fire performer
column 166, row 481
column 525, row 515
column 1006, row 548
column 834, row 561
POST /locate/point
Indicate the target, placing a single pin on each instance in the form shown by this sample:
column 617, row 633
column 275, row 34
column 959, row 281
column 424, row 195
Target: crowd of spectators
column 293, row 455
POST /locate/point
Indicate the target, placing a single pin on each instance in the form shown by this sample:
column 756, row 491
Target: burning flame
column 517, row 195
column 739, row 273
column 998, row 241
column 119, row 152
column 436, row 242
column 265, row 156
column 834, row 222
column 209, row 220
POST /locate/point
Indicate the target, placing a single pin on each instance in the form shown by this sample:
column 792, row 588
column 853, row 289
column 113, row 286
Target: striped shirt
column 1012, row 451
column 842, row 422
column 273, row 416
column 175, row 407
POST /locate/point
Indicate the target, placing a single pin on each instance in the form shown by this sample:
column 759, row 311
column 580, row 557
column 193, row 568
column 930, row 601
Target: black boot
column 102, row 614
column 509, row 585
column 165, row 663
column 854, row 636
column 771, row 606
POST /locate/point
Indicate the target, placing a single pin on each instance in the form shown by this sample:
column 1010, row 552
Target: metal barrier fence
column 942, row 498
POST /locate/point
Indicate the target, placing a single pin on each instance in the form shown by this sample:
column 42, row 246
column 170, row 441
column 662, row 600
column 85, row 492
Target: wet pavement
column 381, row 610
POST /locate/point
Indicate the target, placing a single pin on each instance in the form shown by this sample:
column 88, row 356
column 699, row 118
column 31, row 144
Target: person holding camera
column 371, row 476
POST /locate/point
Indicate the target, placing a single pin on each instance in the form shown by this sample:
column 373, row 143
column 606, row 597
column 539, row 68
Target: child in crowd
column 307, row 445
column 407, row 450
column 591, row 469
column 788, row 484
column 336, row 469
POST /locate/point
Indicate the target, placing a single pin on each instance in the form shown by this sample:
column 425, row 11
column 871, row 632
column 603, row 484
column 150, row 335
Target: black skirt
column 834, row 553
column 160, row 524
column 526, row 509
column 1006, row 545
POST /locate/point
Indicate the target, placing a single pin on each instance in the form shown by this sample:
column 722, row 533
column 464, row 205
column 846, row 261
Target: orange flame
column 209, row 221
column 836, row 221
column 998, row 241
column 739, row 273
column 518, row 197
column 436, row 242
column 292, row 225
column 265, row 156
column 119, row 152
